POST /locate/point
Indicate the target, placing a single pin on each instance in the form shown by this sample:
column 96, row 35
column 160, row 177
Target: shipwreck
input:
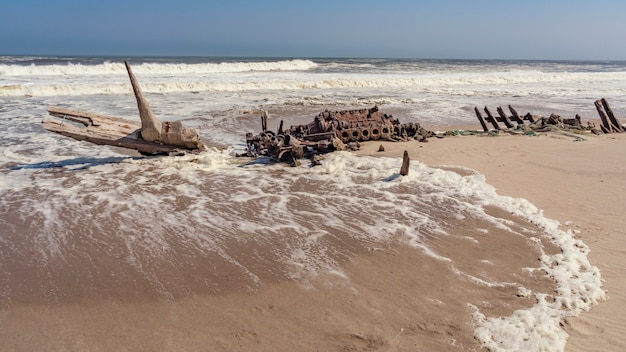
column 609, row 123
column 330, row 131
column 151, row 137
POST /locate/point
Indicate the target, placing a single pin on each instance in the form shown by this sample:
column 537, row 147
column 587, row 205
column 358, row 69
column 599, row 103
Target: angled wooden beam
column 491, row 119
column 607, row 125
column 480, row 118
column 611, row 116
column 503, row 117
column 150, row 126
column 515, row 116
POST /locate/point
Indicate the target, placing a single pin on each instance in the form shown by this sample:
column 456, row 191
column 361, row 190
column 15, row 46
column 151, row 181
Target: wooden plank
column 109, row 130
column 131, row 141
column 114, row 126
column 95, row 119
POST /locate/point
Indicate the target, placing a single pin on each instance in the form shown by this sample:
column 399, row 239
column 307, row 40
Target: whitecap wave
column 115, row 68
column 522, row 83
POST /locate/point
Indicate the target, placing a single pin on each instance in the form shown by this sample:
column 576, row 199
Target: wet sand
column 580, row 184
column 386, row 297
column 396, row 299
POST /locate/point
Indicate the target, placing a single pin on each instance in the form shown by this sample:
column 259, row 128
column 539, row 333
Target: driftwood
column 150, row 137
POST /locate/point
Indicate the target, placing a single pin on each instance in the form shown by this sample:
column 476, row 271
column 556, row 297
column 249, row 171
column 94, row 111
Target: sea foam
column 116, row 68
column 232, row 199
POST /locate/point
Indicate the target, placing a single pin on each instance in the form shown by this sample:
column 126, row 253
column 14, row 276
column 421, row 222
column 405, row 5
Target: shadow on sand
column 76, row 163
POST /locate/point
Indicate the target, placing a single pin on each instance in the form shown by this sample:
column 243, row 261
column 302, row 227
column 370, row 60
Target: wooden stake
column 404, row 170
column 280, row 127
column 480, row 118
column 264, row 121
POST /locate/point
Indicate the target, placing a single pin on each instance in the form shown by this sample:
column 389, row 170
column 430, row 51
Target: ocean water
column 83, row 221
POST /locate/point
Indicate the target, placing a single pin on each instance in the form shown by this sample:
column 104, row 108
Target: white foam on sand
column 205, row 202
column 579, row 284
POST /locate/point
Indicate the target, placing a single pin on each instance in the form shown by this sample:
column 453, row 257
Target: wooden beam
column 88, row 118
column 150, row 126
column 515, row 117
column 611, row 116
column 480, row 118
column 607, row 126
column 96, row 136
column 503, row 117
column 491, row 119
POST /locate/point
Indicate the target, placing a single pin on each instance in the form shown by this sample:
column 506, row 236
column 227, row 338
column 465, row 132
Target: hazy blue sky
column 529, row 29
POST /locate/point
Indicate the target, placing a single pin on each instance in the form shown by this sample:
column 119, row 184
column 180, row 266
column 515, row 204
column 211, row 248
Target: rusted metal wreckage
column 330, row 131
column 538, row 123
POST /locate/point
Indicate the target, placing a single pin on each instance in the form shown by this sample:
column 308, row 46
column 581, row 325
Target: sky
column 441, row 29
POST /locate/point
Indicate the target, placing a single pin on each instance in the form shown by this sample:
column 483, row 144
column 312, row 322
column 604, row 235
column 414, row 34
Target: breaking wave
column 116, row 68
column 456, row 84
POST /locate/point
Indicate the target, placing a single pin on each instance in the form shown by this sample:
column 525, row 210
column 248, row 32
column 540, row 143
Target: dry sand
column 580, row 184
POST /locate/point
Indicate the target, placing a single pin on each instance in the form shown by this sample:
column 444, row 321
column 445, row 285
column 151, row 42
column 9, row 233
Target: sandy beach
column 384, row 297
column 577, row 183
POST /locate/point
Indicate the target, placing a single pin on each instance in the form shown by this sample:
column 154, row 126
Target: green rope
column 63, row 120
